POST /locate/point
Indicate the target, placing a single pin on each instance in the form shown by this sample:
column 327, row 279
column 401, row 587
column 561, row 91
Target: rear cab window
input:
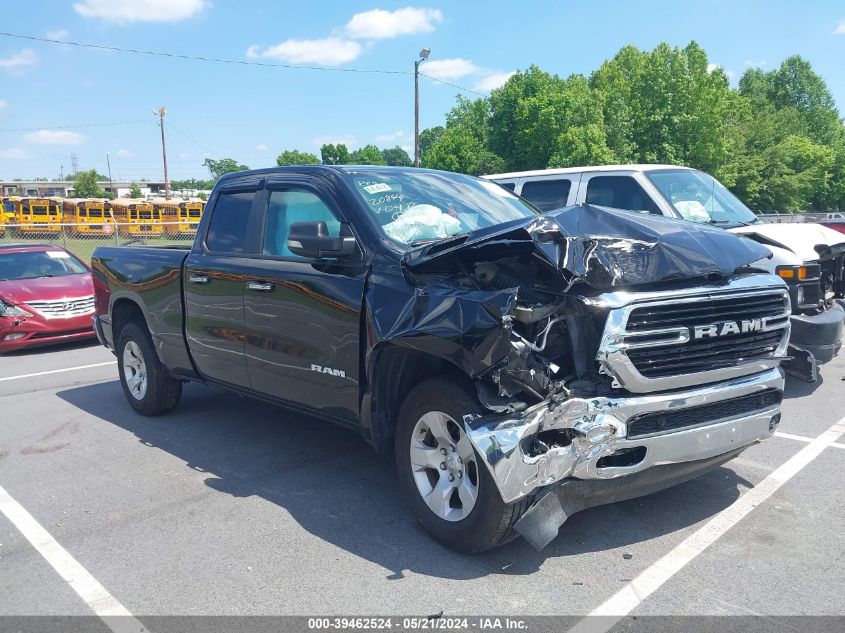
column 547, row 194
column 228, row 225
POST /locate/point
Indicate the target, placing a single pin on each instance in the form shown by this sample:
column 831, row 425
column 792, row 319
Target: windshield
column 32, row 264
column 418, row 207
column 699, row 197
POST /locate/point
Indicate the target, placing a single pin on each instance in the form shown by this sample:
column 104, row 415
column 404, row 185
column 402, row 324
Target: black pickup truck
column 520, row 366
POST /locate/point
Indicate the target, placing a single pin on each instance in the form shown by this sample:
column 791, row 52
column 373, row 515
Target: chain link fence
column 83, row 239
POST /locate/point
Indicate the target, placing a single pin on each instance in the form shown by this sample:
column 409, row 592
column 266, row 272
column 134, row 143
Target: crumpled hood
column 602, row 247
column 799, row 238
column 47, row 288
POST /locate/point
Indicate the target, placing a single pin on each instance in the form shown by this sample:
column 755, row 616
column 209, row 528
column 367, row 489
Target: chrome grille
column 669, row 341
column 64, row 308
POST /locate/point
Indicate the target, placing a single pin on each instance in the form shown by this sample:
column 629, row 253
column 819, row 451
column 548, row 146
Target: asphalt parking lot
column 231, row 506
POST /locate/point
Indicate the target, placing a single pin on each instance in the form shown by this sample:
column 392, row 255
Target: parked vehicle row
column 46, row 296
column 519, row 366
column 809, row 257
column 43, row 217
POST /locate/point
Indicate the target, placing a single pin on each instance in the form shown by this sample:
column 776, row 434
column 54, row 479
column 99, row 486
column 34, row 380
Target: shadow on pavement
column 52, row 348
column 335, row 486
column 795, row 388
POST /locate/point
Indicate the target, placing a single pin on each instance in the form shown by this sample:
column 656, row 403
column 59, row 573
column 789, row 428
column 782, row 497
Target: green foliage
column 296, row 157
column 85, row 184
column 191, row 183
column 334, row 154
column 218, row 168
column 202, row 195
column 367, row 155
column 135, row 190
column 777, row 140
column 397, row 157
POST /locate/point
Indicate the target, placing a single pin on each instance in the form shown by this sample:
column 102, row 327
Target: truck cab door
column 303, row 315
column 214, row 281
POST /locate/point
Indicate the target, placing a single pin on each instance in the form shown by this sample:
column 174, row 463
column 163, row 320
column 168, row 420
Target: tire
column 467, row 528
column 148, row 388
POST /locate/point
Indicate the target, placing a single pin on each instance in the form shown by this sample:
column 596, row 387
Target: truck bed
column 150, row 276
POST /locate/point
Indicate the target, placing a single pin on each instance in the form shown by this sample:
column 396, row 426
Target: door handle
column 199, row 279
column 260, row 286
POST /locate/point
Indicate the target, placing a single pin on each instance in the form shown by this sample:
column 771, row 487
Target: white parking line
column 803, row 438
column 105, row 605
column 58, row 371
column 646, row 583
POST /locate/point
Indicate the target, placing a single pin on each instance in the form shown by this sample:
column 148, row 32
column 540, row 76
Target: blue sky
column 251, row 113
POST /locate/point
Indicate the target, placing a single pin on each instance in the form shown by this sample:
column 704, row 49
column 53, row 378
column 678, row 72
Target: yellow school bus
column 135, row 218
column 10, row 204
column 180, row 217
column 87, row 216
column 37, row 216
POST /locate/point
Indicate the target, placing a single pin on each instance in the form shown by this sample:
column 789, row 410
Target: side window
column 510, row 186
column 288, row 207
column 619, row 192
column 227, row 228
column 547, row 194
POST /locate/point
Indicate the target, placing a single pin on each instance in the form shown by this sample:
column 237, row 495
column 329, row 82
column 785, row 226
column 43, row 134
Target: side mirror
column 312, row 239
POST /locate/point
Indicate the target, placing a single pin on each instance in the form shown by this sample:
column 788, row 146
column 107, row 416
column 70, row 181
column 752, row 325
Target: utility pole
column 61, row 172
column 424, row 53
column 111, row 185
column 161, row 112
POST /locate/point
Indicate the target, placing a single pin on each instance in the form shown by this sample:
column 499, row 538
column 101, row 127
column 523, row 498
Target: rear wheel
column 450, row 489
column 148, row 388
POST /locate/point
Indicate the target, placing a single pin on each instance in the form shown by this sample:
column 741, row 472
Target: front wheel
column 148, row 388
column 450, row 489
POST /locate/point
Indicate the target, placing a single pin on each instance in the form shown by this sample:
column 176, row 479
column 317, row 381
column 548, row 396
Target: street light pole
column 424, row 53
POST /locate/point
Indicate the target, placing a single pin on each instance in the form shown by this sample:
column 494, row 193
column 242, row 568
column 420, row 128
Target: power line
column 74, row 126
column 223, row 60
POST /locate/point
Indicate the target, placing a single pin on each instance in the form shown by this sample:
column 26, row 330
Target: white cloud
column 330, row 51
column 124, row 153
column 840, row 28
column 454, row 68
column 26, row 57
column 13, row 153
column 54, row 137
column 712, row 67
column 492, row 81
column 3, row 104
column 261, row 147
column 125, row 11
column 394, row 137
column 378, row 24
column 58, row 34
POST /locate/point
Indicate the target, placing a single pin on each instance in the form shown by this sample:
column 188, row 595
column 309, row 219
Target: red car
column 46, row 296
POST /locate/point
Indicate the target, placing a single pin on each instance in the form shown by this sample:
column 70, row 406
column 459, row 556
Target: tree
column 428, row 137
column 296, row 157
column 85, row 185
column 135, row 190
column 396, row 156
column 367, row 155
column 334, row 154
column 218, row 168
column 191, row 183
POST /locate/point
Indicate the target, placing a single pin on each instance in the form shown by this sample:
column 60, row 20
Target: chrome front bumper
column 600, row 427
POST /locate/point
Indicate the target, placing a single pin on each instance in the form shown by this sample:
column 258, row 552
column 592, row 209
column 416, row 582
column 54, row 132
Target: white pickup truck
column 809, row 257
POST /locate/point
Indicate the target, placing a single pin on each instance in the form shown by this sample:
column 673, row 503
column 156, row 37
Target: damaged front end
column 623, row 343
